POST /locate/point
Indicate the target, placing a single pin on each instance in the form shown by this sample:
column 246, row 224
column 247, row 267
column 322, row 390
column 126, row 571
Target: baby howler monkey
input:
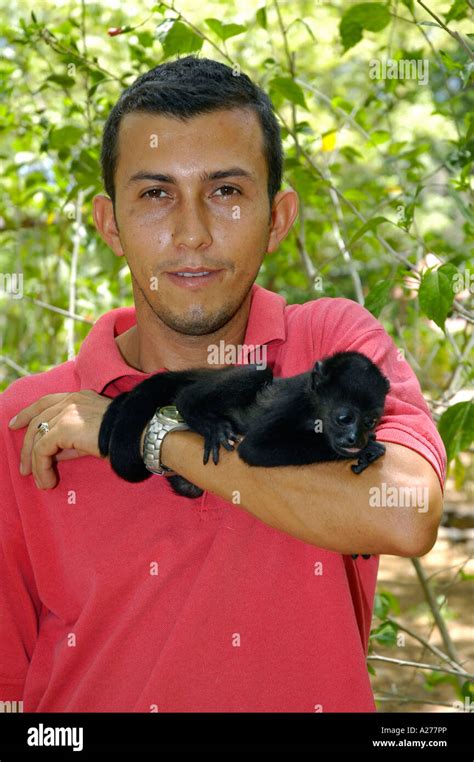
column 327, row 413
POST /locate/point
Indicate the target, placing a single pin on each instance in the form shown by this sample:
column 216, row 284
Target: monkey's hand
column 219, row 432
column 372, row 451
column 216, row 429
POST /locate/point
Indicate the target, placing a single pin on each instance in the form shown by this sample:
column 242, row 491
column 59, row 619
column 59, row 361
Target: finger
column 24, row 416
column 69, row 454
column 32, row 433
column 45, row 447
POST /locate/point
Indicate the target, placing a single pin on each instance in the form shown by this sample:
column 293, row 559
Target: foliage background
column 383, row 168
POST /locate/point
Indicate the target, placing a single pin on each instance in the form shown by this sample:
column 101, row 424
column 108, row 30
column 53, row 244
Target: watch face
column 171, row 412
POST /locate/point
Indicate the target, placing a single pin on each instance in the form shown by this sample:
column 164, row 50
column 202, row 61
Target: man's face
column 188, row 220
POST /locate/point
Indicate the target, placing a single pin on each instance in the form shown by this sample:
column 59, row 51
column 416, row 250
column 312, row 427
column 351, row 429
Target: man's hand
column 74, row 421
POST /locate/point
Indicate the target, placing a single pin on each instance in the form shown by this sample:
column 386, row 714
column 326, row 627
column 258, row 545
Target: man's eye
column 229, row 187
column 153, row 191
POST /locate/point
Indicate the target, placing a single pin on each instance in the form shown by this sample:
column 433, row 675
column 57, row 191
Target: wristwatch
column 165, row 419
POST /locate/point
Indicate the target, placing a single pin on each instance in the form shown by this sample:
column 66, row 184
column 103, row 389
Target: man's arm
column 324, row 504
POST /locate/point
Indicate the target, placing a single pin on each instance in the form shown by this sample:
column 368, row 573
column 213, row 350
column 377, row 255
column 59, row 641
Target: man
column 127, row 597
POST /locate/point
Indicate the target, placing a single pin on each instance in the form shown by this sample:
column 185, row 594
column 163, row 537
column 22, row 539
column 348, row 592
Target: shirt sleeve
column 347, row 326
column 20, row 605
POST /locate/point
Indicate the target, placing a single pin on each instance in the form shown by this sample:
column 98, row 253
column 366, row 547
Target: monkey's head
column 349, row 395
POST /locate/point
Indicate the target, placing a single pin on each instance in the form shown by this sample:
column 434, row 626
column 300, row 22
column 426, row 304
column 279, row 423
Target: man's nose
column 192, row 226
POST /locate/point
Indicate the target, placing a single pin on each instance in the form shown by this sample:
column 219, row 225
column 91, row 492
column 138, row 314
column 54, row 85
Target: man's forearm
column 324, row 504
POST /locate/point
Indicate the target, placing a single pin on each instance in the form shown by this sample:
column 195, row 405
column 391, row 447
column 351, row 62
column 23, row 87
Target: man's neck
column 149, row 346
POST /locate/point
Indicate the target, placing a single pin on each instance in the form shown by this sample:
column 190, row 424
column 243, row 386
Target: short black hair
column 183, row 88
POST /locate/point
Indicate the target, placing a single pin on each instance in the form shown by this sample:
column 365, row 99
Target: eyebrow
column 204, row 176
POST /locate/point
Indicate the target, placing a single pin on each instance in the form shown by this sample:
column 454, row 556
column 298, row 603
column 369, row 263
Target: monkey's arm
column 204, row 396
column 323, row 504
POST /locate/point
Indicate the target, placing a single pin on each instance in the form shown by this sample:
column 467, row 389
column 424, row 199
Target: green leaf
column 61, row 79
column 379, row 136
column 384, row 603
column 145, row 39
column 351, row 155
column 287, row 87
column 224, row 31
column 65, row 137
column 354, row 194
column 339, row 102
column 370, row 225
column 371, row 16
column 436, row 293
column 457, row 11
column 456, row 428
column 176, row 37
column 261, row 17
column 386, row 634
column 408, row 4
column 448, row 61
column 378, row 296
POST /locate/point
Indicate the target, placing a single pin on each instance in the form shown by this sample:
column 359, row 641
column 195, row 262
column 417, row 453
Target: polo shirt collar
column 99, row 361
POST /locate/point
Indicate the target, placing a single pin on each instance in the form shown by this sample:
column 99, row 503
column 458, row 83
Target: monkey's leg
column 368, row 455
column 210, row 405
column 108, row 422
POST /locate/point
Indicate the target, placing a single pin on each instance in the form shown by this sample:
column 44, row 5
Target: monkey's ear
column 317, row 374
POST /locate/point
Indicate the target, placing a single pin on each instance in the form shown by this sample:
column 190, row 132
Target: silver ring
column 43, row 427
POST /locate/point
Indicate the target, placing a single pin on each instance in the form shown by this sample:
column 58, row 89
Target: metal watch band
column 154, row 435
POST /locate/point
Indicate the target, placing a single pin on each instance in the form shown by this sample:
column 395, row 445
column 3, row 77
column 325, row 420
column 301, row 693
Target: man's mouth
column 193, row 275
column 193, row 278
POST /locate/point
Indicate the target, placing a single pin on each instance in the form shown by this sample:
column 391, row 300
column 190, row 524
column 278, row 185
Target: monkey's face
column 347, row 427
column 349, row 395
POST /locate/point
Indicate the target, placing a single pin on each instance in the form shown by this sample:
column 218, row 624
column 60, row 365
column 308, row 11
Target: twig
column 408, row 700
column 456, row 380
column 346, row 255
column 435, row 610
column 73, row 274
column 455, row 35
column 22, row 371
column 59, row 310
column 197, row 31
column 420, row 665
column 434, row 649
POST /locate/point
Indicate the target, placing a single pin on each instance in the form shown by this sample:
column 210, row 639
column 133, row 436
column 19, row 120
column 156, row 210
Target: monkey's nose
column 347, row 441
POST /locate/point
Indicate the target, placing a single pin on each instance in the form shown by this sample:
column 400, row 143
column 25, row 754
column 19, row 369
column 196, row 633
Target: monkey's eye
column 369, row 423
column 345, row 419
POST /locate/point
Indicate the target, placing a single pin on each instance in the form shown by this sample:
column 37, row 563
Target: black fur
column 276, row 416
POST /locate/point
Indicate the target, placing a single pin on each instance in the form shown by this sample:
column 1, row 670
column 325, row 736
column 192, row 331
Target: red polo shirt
column 129, row 598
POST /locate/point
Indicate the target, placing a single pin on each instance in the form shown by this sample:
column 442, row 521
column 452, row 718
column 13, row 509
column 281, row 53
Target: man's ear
column 104, row 219
column 317, row 374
